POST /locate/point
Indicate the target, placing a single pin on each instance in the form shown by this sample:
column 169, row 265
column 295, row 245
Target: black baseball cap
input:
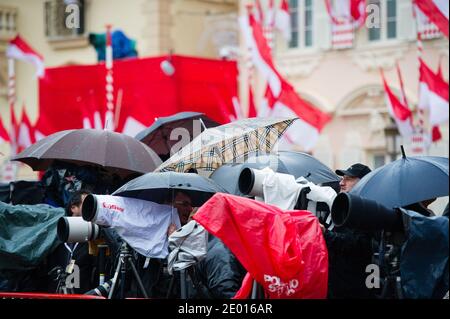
column 356, row 170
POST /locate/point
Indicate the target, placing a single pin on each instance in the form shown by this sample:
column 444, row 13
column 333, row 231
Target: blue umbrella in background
column 406, row 181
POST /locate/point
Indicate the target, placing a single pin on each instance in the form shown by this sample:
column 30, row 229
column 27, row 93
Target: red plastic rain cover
column 284, row 251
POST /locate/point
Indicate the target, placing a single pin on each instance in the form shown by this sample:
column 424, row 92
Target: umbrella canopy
column 227, row 143
column 158, row 187
column 405, row 181
column 117, row 153
column 287, row 162
column 158, row 135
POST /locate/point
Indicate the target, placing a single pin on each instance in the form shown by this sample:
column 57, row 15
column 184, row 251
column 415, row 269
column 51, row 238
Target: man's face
column 347, row 183
column 76, row 209
column 183, row 204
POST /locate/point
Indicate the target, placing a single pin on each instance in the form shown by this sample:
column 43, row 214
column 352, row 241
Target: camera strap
column 71, row 250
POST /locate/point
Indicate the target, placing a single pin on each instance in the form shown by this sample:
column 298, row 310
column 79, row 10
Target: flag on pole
column 346, row 17
column 283, row 20
column 18, row 49
column 4, row 136
column 433, row 95
column 306, row 130
column 436, row 11
column 25, row 135
column 260, row 52
column 398, row 111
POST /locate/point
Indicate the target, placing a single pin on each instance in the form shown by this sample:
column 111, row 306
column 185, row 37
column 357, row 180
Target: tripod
column 124, row 260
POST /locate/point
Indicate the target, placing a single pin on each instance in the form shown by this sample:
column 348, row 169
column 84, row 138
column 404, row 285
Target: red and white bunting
column 436, row 11
column 346, row 17
column 426, row 28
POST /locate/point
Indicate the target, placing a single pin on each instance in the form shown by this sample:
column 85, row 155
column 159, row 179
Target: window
column 388, row 20
column 301, row 23
column 59, row 19
column 293, row 5
column 378, row 160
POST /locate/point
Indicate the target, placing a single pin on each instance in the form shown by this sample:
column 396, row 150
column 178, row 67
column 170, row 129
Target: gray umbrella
column 405, row 181
column 158, row 187
column 158, row 135
column 287, row 162
column 117, row 153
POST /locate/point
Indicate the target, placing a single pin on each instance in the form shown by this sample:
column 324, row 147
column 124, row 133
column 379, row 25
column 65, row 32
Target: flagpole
column 109, row 115
column 421, row 113
column 10, row 169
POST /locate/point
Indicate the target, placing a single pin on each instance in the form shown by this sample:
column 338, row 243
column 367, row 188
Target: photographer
column 79, row 252
column 349, row 250
column 219, row 275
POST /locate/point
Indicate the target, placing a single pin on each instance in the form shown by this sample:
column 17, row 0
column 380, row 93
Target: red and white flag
column 346, row 17
column 18, row 49
column 4, row 136
column 260, row 52
column 283, row 20
column 25, row 135
column 433, row 95
column 306, row 130
column 398, row 111
column 436, row 11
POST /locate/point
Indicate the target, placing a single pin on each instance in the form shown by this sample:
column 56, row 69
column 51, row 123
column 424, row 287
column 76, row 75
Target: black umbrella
column 159, row 187
column 287, row 162
column 158, row 135
column 115, row 152
column 406, row 181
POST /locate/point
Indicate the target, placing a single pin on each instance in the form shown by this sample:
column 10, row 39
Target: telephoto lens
column 75, row 229
column 89, row 208
column 251, row 182
column 364, row 214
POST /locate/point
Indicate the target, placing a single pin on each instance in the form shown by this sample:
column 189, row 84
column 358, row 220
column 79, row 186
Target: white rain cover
column 142, row 224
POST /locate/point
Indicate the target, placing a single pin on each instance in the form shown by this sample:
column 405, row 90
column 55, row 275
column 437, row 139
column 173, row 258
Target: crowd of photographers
column 218, row 275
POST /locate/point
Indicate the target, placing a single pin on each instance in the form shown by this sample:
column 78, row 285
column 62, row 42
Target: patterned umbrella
column 227, row 143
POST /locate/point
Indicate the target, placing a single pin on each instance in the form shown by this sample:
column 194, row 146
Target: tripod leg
column 138, row 279
column 114, row 280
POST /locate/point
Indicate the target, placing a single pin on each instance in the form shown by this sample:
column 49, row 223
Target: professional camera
column 412, row 249
column 287, row 193
column 141, row 223
column 75, row 229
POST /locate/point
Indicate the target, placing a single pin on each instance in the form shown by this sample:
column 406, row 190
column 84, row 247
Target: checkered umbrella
column 227, row 143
